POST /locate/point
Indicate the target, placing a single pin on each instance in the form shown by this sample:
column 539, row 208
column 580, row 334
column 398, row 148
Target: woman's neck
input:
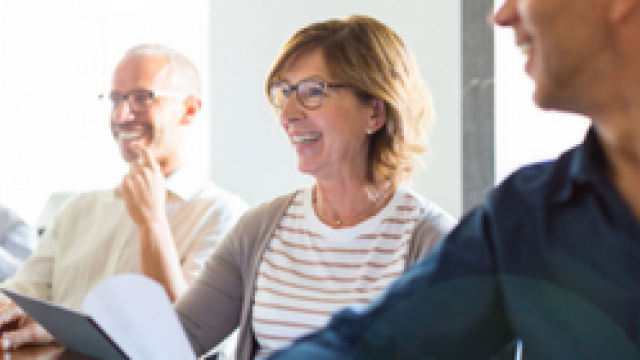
column 348, row 204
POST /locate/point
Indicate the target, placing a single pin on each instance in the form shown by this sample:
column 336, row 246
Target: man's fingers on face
column 138, row 162
column 147, row 158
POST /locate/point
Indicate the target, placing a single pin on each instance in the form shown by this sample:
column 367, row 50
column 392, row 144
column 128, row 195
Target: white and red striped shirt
column 311, row 270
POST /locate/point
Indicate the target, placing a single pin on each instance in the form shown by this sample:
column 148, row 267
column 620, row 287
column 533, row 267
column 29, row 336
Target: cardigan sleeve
column 434, row 224
column 210, row 309
column 217, row 301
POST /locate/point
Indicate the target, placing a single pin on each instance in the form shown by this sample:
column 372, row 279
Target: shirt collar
column 587, row 164
column 185, row 183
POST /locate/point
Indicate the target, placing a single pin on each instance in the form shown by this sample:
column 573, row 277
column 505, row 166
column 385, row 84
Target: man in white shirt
column 162, row 221
column 17, row 241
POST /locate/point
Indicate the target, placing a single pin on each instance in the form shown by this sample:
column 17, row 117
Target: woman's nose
column 291, row 108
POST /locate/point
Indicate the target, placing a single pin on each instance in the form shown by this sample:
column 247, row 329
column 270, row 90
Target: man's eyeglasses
column 140, row 101
column 310, row 93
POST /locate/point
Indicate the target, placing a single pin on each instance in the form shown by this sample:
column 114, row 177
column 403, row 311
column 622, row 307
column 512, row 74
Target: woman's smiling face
column 331, row 140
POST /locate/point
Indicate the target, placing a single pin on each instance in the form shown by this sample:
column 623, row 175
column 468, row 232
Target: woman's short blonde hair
column 376, row 63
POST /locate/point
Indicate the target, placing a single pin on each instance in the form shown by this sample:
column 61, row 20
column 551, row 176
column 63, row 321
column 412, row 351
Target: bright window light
column 524, row 133
column 56, row 57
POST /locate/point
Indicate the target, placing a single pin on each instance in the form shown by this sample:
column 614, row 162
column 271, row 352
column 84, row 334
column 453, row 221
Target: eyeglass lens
column 138, row 100
column 310, row 93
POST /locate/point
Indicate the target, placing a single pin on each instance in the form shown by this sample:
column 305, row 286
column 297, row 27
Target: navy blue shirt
column 552, row 257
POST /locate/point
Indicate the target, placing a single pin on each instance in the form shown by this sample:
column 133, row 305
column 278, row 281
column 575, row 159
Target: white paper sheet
column 137, row 314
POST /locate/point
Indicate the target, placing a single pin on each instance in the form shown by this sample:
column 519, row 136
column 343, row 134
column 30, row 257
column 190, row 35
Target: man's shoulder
column 535, row 184
column 88, row 199
column 66, row 211
column 221, row 198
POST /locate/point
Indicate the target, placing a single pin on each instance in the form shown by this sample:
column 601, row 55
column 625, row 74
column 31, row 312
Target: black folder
column 73, row 330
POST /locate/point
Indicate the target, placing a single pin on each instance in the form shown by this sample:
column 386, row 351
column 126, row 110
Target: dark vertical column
column 478, row 112
column 478, row 160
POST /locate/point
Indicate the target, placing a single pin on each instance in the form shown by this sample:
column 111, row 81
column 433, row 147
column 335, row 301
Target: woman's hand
column 18, row 329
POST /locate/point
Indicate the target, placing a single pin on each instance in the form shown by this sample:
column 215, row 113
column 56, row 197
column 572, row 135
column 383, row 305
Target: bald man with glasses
column 163, row 220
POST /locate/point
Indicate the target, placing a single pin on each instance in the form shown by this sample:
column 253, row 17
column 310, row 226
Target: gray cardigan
column 221, row 299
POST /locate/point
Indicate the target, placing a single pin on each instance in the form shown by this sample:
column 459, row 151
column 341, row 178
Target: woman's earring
column 369, row 132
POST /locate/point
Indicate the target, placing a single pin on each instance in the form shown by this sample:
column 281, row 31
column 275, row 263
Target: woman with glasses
column 351, row 101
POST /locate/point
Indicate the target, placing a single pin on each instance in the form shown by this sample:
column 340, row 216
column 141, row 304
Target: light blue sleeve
column 17, row 242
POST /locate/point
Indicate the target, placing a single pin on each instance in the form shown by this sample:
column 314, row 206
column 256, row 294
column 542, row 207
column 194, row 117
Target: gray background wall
column 250, row 153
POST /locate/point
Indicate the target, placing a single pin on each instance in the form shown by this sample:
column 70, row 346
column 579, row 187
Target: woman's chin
column 306, row 169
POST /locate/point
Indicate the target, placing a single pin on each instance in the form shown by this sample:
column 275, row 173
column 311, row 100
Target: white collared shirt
column 93, row 238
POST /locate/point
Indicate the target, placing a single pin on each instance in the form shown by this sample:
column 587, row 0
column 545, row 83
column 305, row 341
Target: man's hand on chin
column 143, row 189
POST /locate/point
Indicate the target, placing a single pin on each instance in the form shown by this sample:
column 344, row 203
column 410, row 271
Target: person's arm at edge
column 17, row 239
column 34, row 278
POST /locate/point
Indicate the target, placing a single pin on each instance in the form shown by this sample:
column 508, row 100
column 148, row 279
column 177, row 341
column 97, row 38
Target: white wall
column 251, row 155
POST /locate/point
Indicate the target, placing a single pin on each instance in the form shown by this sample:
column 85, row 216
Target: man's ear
column 621, row 9
column 192, row 104
column 378, row 116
